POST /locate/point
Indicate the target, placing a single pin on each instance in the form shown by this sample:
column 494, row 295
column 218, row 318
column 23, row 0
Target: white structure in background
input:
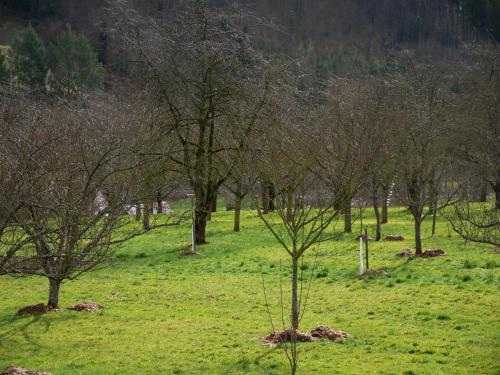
column 165, row 208
column 100, row 203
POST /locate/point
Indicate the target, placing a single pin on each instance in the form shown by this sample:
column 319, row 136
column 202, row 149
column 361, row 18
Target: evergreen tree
column 74, row 64
column 29, row 59
column 4, row 71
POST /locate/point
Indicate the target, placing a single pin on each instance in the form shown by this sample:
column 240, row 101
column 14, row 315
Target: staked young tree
column 196, row 67
column 424, row 148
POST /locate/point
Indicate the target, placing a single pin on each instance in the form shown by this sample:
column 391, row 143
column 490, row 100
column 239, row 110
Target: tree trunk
column 213, row 205
column 418, row 236
column 145, row 217
column 272, row 196
column 483, row 193
column 434, row 215
column 378, row 235
column 237, row 207
column 200, row 225
column 496, row 187
column 347, row 216
column 295, row 301
column 265, row 199
column 54, row 293
column 289, row 204
column 158, row 202
column 138, row 211
column 384, row 211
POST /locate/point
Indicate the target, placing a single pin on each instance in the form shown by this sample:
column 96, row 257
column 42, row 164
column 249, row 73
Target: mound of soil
column 394, row 237
column 406, row 252
column 363, row 237
column 320, row 332
column 281, row 337
column 88, row 306
column 36, row 310
column 12, row 370
column 370, row 272
column 433, row 253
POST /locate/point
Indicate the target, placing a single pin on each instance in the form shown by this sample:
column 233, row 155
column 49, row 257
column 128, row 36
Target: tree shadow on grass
column 23, row 329
column 248, row 365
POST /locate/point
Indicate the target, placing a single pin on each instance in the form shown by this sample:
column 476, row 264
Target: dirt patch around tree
column 87, row 306
column 406, row 252
column 36, row 310
column 429, row 253
column 370, row 272
column 433, row 253
column 41, row 308
column 13, row 370
column 320, row 332
column 394, row 237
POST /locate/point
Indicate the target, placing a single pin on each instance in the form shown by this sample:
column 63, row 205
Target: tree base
column 318, row 333
column 36, row 310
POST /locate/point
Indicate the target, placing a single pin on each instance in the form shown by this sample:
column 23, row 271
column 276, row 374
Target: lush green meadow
column 168, row 314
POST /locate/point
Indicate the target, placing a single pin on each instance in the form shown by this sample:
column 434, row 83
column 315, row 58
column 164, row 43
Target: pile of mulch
column 406, row 252
column 12, row 370
column 320, row 332
column 36, row 310
column 369, row 272
column 433, row 253
column 394, row 237
column 87, row 306
column 426, row 254
column 363, row 237
column 281, row 337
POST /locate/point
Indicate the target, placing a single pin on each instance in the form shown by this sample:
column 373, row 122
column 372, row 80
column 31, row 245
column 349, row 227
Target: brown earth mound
column 320, row 332
column 88, row 306
column 323, row 332
column 36, row 310
column 433, row 253
column 406, row 252
column 369, row 272
column 12, row 370
column 394, row 237
column 281, row 337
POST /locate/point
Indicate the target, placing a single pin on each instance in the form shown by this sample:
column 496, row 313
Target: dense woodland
column 311, row 111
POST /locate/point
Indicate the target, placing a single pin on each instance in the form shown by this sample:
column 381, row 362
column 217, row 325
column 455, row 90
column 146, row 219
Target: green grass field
column 167, row 314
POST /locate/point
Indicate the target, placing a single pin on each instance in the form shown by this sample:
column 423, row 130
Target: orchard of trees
column 200, row 98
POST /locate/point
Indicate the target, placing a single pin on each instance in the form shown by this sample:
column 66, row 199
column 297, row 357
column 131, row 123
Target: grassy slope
column 204, row 315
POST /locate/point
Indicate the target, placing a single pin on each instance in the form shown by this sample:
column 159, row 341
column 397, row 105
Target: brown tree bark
column 145, row 217
column 158, row 202
column 496, row 188
column 418, row 236
column 54, row 293
column 295, row 301
column 347, row 216
column 385, row 215
column 237, row 207
column 378, row 235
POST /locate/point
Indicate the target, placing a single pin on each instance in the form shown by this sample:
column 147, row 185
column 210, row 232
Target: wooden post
column 366, row 246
